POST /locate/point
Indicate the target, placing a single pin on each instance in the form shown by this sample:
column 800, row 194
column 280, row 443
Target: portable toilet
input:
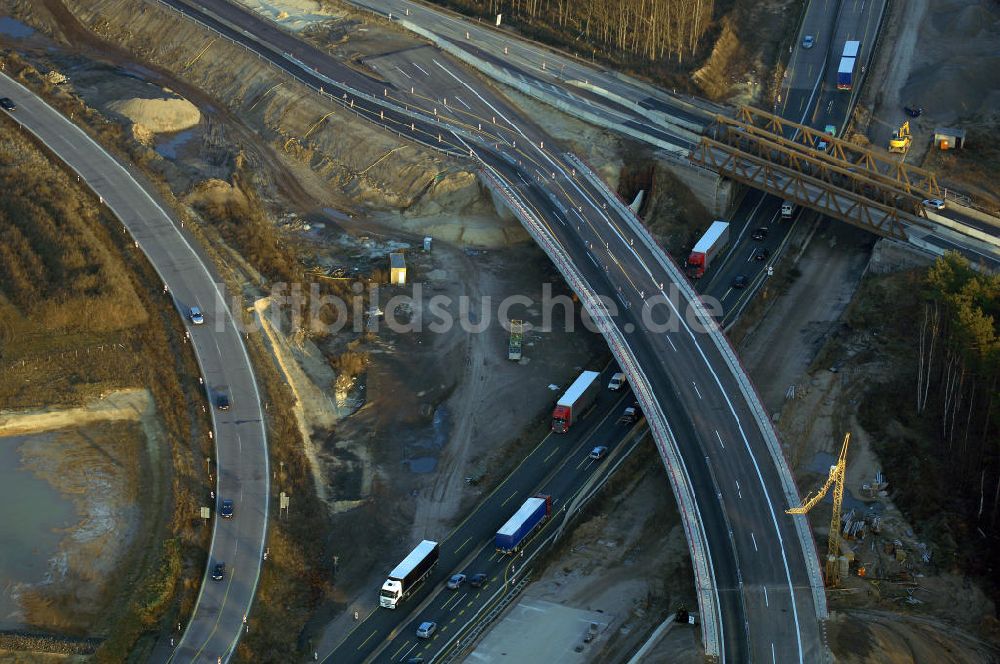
column 397, row 269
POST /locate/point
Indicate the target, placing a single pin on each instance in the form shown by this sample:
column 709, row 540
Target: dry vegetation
column 694, row 45
column 934, row 422
column 81, row 313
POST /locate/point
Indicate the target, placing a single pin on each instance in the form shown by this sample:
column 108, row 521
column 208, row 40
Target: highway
column 757, row 575
column 557, row 466
column 239, row 435
column 636, row 108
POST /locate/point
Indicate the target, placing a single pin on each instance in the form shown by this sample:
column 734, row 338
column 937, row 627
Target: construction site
column 388, row 432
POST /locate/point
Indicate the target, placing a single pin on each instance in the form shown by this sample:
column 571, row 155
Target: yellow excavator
column 900, row 141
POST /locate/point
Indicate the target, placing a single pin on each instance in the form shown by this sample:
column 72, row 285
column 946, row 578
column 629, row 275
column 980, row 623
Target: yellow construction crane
column 836, row 480
column 900, row 141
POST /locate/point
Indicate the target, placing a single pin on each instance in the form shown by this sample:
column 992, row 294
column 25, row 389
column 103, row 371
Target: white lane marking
column 739, row 492
column 767, row 604
column 462, row 102
column 753, row 253
column 696, row 389
column 403, row 73
column 593, row 260
column 774, row 660
column 671, row 342
column 754, row 542
column 426, row 73
column 723, row 446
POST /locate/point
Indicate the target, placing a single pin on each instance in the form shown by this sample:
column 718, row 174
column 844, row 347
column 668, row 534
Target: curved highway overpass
column 240, row 440
column 757, row 573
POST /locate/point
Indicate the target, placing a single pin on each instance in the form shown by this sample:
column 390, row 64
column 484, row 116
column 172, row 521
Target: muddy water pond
column 32, row 517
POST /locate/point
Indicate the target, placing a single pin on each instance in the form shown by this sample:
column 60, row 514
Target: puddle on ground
column 11, row 27
column 168, row 146
column 32, row 517
column 429, row 438
column 820, row 465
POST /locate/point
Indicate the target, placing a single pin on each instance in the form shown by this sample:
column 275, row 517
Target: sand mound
column 953, row 89
column 158, row 115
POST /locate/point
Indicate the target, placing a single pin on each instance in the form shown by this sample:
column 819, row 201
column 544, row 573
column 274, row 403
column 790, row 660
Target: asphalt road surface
column 558, row 466
column 241, row 446
column 760, row 570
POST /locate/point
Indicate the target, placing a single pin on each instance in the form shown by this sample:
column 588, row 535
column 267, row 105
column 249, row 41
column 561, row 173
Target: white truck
column 408, row 574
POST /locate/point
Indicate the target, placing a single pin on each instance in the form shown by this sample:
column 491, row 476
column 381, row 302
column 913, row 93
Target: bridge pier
column 717, row 194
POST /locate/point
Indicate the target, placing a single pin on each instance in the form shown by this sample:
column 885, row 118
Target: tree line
column 957, row 381
column 645, row 32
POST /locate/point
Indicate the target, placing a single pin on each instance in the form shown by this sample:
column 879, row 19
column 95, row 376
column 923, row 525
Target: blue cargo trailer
column 845, row 74
column 531, row 514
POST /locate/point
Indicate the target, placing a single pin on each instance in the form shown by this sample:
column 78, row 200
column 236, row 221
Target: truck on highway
column 845, row 74
column 575, row 401
column 408, row 574
column 532, row 513
column 711, row 244
column 848, row 61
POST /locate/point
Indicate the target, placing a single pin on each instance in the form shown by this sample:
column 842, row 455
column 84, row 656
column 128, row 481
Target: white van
column 617, row 381
column 787, row 209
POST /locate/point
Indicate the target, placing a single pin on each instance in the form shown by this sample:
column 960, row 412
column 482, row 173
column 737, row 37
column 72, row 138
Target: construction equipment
column 516, row 340
column 900, row 141
column 836, row 480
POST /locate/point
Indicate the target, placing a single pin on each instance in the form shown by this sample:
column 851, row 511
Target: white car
column 935, row 203
column 197, row 318
column 426, row 629
column 617, row 381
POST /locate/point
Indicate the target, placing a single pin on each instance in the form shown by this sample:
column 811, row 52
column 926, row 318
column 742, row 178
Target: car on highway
column 219, row 572
column 808, row 41
column 426, row 629
column 195, row 316
column 914, row 111
column 226, row 510
column 935, row 203
column 762, row 254
column 759, row 234
column 740, row 281
column 599, row 452
column 7, row 104
column 477, row 580
column 456, row 581
column 222, row 401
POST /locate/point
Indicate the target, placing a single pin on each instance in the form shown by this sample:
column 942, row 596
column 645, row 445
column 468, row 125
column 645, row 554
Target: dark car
column 740, row 281
column 222, row 402
column 913, row 111
column 477, row 580
column 761, row 254
column 7, row 104
column 599, row 452
column 759, row 234
column 226, row 511
column 219, row 573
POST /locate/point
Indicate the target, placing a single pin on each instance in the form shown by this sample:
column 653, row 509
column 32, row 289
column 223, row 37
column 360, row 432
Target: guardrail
column 739, row 373
column 662, row 434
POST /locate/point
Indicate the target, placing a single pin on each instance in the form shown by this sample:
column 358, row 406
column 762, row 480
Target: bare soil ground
column 918, row 607
column 939, row 55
